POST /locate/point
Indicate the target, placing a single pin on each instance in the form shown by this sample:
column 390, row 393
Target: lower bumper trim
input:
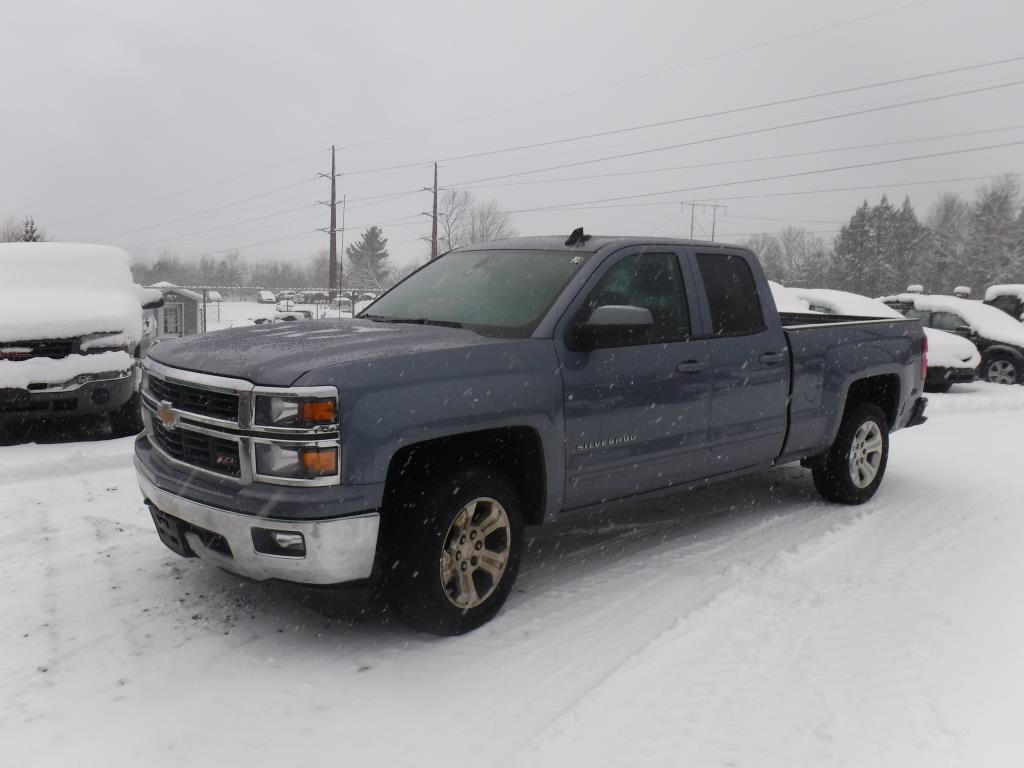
column 337, row 550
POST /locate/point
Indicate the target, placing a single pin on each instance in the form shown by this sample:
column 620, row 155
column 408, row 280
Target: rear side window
column 732, row 294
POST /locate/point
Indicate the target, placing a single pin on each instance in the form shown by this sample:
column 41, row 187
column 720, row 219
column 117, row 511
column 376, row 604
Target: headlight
column 296, row 463
column 297, row 412
column 106, row 342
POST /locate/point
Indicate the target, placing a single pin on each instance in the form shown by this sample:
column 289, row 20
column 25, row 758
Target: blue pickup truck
column 504, row 385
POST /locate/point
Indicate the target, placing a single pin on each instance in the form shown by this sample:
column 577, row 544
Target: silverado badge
column 165, row 412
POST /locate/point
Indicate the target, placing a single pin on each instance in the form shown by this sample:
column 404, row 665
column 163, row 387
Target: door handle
column 773, row 358
column 692, row 366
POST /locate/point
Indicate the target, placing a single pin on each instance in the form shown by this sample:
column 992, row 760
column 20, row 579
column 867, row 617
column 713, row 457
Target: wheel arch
column 518, row 451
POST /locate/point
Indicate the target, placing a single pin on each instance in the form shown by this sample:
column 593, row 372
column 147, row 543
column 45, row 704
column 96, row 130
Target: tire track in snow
column 745, row 633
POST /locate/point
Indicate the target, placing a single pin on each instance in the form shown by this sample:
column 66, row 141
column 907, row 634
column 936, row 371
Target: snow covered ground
column 749, row 624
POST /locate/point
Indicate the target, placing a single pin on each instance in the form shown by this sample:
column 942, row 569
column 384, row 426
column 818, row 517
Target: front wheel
column 1002, row 369
column 455, row 548
column 852, row 470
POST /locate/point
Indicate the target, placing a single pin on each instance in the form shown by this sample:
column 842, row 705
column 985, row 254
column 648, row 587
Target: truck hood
column 27, row 315
column 279, row 354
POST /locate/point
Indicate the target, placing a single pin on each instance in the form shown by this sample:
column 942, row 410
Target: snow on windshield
column 995, row 291
column 844, row 303
column 64, row 290
column 785, row 300
column 988, row 321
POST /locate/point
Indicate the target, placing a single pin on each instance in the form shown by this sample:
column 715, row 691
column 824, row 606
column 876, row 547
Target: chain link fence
column 193, row 309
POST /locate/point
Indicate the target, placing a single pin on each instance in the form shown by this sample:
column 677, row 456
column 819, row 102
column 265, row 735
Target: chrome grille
column 205, row 402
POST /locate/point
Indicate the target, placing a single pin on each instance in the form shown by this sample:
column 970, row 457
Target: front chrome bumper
column 337, row 550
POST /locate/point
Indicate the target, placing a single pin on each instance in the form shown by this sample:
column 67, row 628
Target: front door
column 637, row 406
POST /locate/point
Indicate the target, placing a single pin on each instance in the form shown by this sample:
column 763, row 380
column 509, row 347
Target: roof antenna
column 577, row 237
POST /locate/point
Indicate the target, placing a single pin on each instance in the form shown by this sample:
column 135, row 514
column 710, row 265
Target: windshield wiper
column 415, row 320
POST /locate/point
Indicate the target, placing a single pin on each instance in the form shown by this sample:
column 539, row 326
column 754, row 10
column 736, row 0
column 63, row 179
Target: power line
column 737, row 110
column 766, row 195
column 210, row 210
column 645, row 75
column 737, row 161
column 750, row 132
column 691, row 118
column 776, row 177
column 221, row 226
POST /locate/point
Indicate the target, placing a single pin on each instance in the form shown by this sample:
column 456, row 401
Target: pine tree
column 994, row 234
column 943, row 265
column 29, row 232
column 368, row 259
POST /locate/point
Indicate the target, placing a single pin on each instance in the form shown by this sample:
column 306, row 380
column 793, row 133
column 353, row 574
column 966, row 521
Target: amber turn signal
column 317, row 411
column 319, row 461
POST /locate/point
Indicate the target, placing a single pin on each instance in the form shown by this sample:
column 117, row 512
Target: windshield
column 495, row 292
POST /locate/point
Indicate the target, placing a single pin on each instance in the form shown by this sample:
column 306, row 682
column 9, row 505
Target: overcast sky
column 124, row 119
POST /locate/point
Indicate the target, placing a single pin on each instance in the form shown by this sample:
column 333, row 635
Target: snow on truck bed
column 746, row 624
column 945, row 350
column 65, row 290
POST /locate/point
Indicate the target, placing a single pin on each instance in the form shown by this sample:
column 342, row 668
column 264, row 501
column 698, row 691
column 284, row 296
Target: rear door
column 636, row 407
column 750, row 364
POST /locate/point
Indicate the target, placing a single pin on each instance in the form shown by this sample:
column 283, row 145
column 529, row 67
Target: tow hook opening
column 278, row 543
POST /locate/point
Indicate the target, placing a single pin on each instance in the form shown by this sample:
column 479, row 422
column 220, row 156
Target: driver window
column 947, row 321
column 649, row 280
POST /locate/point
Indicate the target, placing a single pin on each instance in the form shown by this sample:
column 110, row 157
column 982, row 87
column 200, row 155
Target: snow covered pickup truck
column 71, row 333
column 504, row 385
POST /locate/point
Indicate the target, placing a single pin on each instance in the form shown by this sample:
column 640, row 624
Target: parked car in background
column 72, row 333
column 998, row 337
column 952, row 359
column 266, row 297
column 1009, row 298
column 287, row 311
column 502, row 385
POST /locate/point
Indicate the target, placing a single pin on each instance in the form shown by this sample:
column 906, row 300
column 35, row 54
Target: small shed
column 181, row 314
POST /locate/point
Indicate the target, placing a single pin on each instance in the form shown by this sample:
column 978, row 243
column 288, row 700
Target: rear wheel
column 1002, row 369
column 454, row 548
column 852, row 470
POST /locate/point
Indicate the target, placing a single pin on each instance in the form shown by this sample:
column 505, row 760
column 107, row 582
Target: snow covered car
column 1009, row 298
column 266, row 297
column 952, row 359
column 998, row 337
column 71, row 333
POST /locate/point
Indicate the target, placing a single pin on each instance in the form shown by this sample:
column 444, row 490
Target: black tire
column 834, row 476
column 418, row 531
column 127, row 420
column 938, row 387
column 1002, row 368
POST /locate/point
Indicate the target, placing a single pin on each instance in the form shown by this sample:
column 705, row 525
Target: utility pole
column 332, row 271
column 433, row 217
column 703, row 206
column 433, row 227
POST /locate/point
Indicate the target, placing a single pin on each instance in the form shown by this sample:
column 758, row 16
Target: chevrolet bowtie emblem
column 165, row 412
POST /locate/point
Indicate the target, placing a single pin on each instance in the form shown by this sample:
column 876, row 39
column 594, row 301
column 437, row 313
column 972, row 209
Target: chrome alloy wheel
column 1002, row 372
column 476, row 552
column 866, row 454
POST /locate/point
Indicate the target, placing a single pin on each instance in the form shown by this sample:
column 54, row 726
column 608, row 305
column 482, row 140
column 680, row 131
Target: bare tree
column 11, row 232
column 463, row 220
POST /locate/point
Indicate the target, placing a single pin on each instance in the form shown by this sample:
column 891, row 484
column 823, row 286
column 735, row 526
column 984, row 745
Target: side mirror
column 613, row 325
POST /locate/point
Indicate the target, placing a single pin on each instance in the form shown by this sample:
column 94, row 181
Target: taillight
column 924, row 358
